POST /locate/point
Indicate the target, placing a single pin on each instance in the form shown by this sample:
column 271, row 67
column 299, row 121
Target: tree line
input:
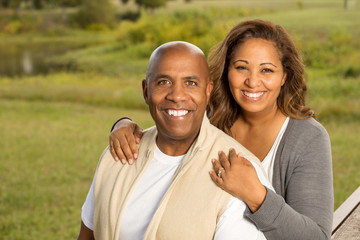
column 40, row 4
column 90, row 12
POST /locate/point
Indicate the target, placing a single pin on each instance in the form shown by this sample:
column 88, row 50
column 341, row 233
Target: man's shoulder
column 220, row 136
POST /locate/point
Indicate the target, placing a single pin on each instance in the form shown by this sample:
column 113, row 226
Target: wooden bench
column 346, row 221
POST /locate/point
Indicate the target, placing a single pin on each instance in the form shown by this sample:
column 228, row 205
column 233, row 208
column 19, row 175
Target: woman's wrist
column 257, row 199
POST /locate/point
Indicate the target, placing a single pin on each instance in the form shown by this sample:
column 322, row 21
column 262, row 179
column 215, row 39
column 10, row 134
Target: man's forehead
column 181, row 63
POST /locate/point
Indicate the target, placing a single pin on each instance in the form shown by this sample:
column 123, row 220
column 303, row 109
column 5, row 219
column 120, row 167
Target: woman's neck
column 256, row 120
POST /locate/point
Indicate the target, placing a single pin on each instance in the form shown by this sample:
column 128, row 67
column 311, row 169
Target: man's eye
column 191, row 83
column 163, row 82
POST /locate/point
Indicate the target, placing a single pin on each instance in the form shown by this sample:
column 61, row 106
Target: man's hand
column 123, row 139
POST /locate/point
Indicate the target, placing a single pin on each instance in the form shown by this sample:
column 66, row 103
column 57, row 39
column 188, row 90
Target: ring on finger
column 220, row 171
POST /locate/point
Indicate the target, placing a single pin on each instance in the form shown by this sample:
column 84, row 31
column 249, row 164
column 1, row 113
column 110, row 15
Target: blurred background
column 70, row 68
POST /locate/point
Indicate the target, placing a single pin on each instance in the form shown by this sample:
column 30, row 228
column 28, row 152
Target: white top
column 268, row 162
column 149, row 192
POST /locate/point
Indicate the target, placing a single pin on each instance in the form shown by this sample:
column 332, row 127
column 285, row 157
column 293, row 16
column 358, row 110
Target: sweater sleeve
column 305, row 211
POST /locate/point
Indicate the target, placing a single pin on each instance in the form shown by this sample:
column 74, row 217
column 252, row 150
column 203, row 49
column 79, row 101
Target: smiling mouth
column 177, row 113
column 253, row 95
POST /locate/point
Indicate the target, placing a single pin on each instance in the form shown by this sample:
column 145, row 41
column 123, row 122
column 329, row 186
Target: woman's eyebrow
column 240, row 60
column 268, row 63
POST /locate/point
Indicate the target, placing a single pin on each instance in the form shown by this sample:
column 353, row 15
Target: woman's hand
column 123, row 139
column 239, row 178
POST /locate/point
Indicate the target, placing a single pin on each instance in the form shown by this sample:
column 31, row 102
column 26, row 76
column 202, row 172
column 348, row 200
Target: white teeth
column 177, row 113
column 253, row 95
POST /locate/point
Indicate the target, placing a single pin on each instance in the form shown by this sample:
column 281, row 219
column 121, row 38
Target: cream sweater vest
column 191, row 207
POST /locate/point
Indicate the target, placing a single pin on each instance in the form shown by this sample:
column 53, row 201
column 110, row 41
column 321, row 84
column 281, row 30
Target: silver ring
column 220, row 171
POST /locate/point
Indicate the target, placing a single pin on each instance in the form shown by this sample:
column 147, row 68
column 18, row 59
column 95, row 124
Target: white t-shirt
column 149, row 192
column 268, row 162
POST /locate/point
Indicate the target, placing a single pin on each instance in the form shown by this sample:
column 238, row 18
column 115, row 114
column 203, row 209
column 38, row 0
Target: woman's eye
column 240, row 67
column 267, row 70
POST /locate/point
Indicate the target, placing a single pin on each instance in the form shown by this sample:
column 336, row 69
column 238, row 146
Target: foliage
column 96, row 12
column 150, row 4
column 188, row 26
column 322, row 54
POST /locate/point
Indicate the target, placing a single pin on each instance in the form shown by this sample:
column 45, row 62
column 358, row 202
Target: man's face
column 177, row 91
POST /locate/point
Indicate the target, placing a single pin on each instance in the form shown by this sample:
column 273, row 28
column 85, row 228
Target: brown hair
column 291, row 100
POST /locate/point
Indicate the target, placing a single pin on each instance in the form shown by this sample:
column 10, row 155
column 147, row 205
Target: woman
column 259, row 99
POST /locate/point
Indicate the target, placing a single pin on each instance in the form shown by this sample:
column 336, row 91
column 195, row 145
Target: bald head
column 179, row 48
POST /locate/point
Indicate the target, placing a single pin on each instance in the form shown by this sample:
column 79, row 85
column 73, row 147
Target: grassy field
column 55, row 126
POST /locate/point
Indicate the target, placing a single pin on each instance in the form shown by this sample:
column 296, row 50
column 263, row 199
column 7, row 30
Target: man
column 167, row 193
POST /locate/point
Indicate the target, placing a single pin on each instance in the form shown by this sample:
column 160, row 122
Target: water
column 26, row 59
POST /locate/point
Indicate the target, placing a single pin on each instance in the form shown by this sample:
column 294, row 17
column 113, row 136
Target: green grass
column 49, row 152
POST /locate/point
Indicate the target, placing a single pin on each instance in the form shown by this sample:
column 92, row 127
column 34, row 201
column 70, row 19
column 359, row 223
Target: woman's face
column 255, row 76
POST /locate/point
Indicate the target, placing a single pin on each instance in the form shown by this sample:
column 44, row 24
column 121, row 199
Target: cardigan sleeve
column 305, row 211
column 113, row 126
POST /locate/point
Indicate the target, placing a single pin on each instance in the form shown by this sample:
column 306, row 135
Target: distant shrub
column 300, row 4
column 341, row 37
column 95, row 12
column 326, row 53
column 182, row 25
column 346, row 71
column 97, row 27
column 141, row 50
column 352, row 72
column 13, row 27
column 129, row 15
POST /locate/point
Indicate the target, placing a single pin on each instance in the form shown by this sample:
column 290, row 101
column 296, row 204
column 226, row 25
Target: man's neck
column 174, row 147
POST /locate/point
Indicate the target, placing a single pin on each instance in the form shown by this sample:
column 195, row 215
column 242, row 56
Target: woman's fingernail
column 131, row 161
column 213, row 160
column 123, row 161
column 135, row 156
column 116, row 159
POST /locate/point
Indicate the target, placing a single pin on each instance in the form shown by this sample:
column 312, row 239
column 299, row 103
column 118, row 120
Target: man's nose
column 177, row 93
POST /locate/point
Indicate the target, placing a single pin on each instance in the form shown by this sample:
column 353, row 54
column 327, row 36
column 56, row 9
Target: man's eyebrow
column 240, row 60
column 192, row 77
column 163, row 76
column 268, row 63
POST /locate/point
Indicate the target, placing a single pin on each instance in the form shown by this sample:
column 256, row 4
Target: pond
column 26, row 59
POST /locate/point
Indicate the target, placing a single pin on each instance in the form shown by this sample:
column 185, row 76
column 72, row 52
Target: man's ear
column 145, row 90
column 209, row 88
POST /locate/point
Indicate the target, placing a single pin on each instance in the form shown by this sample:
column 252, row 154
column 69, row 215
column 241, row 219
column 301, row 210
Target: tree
column 96, row 12
column 150, row 4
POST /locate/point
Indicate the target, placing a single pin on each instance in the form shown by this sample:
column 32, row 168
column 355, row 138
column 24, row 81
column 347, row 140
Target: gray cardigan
column 302, row 207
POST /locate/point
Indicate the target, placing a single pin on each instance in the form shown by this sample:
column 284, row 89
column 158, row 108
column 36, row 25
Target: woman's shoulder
column 300, row 133
column 306, row 127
